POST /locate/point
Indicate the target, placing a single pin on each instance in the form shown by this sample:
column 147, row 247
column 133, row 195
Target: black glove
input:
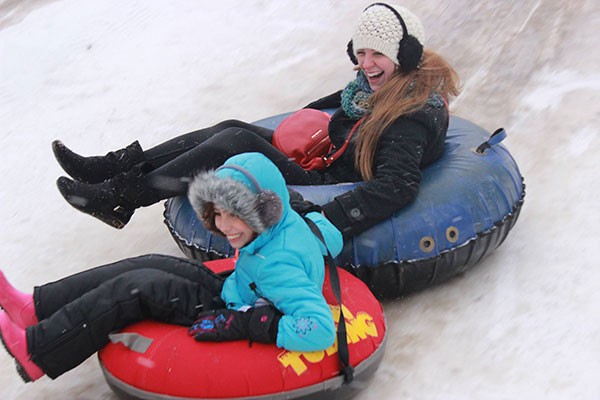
column 257, row 324
column 300, row 205
column 220, row 325
column 333, row 100
column 264, row 324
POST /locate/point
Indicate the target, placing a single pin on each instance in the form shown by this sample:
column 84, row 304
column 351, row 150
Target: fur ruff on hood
column 260, row 210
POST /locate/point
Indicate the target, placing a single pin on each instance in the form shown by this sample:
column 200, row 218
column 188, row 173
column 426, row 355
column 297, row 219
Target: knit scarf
column 355, row 97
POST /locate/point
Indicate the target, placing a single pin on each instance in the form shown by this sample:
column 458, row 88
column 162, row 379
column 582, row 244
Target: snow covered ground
column 525, row 323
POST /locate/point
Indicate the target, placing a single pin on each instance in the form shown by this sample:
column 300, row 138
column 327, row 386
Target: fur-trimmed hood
column 248, row 185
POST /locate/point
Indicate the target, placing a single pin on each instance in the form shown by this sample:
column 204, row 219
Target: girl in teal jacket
column 273, row 296
column 283, row 265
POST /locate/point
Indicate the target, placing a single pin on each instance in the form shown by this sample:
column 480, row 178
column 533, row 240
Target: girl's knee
column 231, row 123
column 236, row 140
column 235, row 131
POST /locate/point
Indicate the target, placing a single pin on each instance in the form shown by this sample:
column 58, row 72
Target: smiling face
column 377, row 67
column 237, row 232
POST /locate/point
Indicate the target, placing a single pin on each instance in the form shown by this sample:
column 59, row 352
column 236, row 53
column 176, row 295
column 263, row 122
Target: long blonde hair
column 403, row 94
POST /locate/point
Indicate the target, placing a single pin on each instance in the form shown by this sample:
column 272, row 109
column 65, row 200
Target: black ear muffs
column 410, row 53
column 350, row 51
column 410, row 50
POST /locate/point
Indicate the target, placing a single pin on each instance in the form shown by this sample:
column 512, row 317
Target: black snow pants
column 209, row 148
column 78, row 313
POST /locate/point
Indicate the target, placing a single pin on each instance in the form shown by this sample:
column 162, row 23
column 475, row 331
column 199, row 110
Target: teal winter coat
column 284, row 264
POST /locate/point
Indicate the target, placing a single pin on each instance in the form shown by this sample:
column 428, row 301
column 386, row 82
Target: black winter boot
column 97, row 169
column 114, row 200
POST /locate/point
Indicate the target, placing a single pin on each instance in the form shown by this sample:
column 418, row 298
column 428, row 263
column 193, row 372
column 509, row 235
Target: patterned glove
column 257, row 324
column 220, row 325
column 264, row 324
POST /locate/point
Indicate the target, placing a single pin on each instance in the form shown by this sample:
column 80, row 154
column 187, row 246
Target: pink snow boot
column 17, row 304
column 15, row 341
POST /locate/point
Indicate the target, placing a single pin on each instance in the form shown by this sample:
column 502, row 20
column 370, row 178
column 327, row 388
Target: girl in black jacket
column 401, row 90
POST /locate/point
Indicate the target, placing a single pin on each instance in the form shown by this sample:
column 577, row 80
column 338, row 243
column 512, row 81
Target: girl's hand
column 259, row 324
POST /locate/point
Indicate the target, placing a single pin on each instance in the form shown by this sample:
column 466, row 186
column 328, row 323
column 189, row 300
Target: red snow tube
column 172, row 365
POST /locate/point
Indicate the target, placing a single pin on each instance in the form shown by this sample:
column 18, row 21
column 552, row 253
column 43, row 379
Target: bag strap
column 343, row 351
column 330, row 158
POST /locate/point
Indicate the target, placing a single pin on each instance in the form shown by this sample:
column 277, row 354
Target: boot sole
column 117, row 217
column 20, row 370
column 109, row 219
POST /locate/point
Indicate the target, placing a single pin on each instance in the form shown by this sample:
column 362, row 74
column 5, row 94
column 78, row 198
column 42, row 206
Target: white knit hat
column 381, row 30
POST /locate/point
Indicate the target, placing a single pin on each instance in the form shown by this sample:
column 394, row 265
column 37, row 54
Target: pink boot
column 15, row 341
column 17, row 304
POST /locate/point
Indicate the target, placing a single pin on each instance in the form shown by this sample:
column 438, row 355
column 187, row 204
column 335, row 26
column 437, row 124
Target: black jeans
column 209, row 148
column 78, row 313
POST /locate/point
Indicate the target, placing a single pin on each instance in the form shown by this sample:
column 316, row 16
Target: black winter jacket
column 410, row 143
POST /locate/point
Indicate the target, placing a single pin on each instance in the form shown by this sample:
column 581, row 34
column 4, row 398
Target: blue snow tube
column 467, row 203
